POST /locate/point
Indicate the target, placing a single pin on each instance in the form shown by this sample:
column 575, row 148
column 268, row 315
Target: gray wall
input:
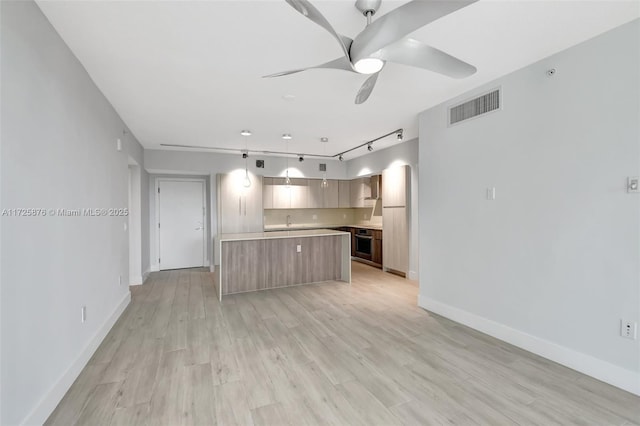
column 405, row 153
column 58, row 151
column 553, row 263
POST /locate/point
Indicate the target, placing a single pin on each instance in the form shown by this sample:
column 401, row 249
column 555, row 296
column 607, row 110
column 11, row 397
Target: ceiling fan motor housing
column 368, row 6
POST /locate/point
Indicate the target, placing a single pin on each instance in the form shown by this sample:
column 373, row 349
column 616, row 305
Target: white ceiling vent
column 488, row 102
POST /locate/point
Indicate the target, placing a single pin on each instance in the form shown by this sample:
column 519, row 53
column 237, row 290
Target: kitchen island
column 263, row 260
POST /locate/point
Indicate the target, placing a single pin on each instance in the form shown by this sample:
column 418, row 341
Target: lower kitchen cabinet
column 377, row 247
column 395, row 244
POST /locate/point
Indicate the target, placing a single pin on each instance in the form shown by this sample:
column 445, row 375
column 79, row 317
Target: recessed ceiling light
column 289, row 97
column 245, row 132
column 286, row 136
column 323, row 139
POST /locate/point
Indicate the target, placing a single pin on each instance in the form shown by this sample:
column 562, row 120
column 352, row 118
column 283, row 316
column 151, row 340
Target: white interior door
column 182, row 223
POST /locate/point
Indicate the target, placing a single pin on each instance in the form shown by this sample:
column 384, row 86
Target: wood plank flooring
column 319, row 354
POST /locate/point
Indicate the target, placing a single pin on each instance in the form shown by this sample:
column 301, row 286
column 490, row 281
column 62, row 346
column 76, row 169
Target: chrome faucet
column 288, row 220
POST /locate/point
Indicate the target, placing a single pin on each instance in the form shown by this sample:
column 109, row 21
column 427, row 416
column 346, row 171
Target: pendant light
column 325, row 184
column 287, row 181
column 246, row 182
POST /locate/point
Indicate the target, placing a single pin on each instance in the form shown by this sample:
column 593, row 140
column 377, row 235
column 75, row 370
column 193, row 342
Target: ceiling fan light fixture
column 286, row 136
column 245, row 132
column 368, row 65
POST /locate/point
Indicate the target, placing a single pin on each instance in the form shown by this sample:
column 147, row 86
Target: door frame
column 157, row 214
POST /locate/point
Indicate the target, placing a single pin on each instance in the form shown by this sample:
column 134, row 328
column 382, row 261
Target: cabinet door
column 267, row 193
column 315, row 194
column 230, row 193
column 394, row 186
column 395, row 243
column 344, row 194
column 253, row 214
column 331, row 194
column 281, row 194
column 299, row 193
column 355, row 194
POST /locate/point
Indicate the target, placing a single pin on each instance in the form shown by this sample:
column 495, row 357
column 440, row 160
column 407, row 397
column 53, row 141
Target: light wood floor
column 319, row 354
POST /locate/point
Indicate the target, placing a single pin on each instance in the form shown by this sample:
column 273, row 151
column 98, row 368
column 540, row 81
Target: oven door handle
column 365, row 237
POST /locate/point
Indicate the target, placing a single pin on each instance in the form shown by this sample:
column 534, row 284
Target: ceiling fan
column 384, row 40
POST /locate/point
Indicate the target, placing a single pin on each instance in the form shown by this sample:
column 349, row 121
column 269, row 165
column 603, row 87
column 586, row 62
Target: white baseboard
column 51, row 399
column 594, row 367
column 145, row 275
column 413, row 276
column 154, row 268
column 136, row 280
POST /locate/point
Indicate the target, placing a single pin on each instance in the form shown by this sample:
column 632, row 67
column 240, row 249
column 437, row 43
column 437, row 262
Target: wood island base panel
column 265, row 260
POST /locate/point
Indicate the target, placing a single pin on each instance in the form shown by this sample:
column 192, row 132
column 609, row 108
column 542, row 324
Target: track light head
column 400, row 136
column 245, row 155
column 340, row 157
column 301, row 159
column 369, row 147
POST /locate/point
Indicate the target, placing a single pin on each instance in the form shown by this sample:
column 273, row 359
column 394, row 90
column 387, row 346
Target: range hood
column 376, row 188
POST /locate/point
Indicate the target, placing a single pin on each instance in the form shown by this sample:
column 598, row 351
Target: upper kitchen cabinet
column 360, row 190
column 267, row 193
column 394, row 186
column 315, row 194
column 322, row 196
column 239, row 207
column 299, row 193
column 331, row 194
column 292, row 196
column 344, row 193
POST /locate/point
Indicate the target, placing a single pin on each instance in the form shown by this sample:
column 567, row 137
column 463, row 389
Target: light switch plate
column 299, row 248
column 491, row 193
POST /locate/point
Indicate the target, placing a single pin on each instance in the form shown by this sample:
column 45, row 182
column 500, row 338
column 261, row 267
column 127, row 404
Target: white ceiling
column 189, row 72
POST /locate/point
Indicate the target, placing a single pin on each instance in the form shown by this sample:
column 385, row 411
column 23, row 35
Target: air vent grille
column 475, row 107
column 323, row 167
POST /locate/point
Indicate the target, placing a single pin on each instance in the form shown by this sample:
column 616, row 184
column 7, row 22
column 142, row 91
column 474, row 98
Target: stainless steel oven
column 364, row 244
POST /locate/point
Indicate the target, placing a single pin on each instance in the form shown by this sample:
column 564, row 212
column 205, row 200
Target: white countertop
column 315, row 226
column 280, row 234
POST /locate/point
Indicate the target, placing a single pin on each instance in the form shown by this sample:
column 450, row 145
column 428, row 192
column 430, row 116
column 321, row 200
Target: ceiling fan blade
column 366, row 88
column 341, row 63
column 400, row 22
column 418, row 54
column 307, row 9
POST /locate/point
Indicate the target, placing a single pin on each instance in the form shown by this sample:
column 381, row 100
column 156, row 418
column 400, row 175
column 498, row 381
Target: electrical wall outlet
column 299, row 248
column 315, row 217
column 628, row 329
column 633, row 184
column 83, row 314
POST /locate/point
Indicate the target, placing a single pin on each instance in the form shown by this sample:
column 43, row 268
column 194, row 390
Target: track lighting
column 341, row 158
column 245, row 155
column 400, row 136
column 369, row 147
column 301, row 159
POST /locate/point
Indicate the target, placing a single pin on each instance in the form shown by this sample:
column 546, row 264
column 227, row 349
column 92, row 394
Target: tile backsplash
column 323, row 217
